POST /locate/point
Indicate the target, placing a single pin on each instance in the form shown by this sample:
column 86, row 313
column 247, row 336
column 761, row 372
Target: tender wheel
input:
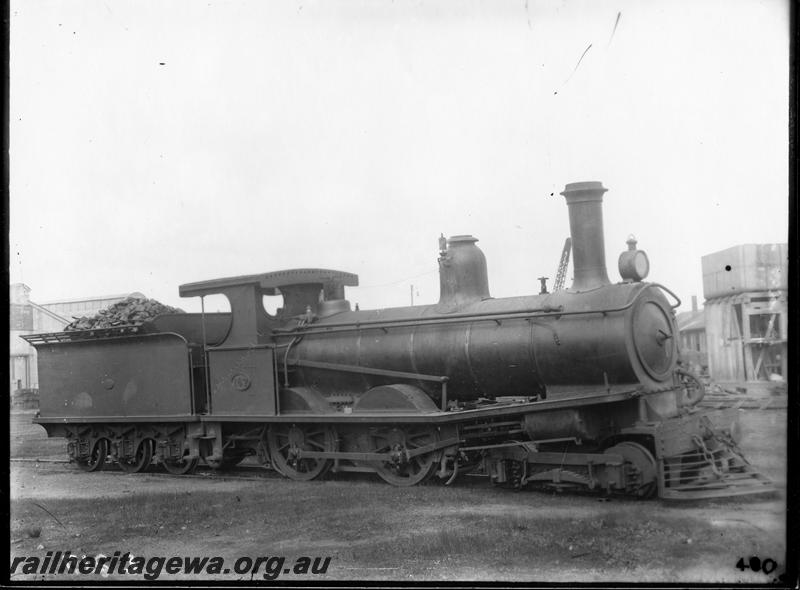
column 285, row 441
column 645, row 484
column 399, row 471
column 97, row 457
column 181, row 466
column 144, row 454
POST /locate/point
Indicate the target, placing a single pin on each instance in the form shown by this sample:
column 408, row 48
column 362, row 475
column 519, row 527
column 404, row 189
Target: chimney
column 462, row 272
column 694, row 302
column 585, row 202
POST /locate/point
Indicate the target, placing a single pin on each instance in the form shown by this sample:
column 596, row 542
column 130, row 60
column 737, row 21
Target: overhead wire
column 398, row 281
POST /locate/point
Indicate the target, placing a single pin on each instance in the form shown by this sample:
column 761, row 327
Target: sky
column 158, row 143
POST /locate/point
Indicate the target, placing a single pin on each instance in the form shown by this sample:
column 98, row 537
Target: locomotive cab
column 241, row 368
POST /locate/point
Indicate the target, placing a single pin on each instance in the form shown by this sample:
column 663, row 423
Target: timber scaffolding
column 748, row 396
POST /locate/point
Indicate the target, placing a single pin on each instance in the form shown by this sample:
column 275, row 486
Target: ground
column 372, row 531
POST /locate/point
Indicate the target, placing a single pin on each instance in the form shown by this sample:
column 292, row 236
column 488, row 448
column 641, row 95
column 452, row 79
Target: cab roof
column 271, row 282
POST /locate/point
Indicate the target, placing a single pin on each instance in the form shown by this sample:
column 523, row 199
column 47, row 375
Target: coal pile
column 132, row 311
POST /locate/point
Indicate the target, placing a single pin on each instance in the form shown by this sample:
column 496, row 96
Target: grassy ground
column 427, row 532
column 27, row 440
column 373, row 531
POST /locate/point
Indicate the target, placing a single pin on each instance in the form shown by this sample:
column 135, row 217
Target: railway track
column 238, row 473
column 246, row 472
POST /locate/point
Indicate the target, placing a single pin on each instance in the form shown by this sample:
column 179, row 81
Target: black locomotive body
column 577, row 388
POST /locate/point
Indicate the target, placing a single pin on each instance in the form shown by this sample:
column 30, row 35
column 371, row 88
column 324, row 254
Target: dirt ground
column 372, row 531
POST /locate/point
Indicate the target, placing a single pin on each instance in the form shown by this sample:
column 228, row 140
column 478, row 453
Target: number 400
column 767, row 566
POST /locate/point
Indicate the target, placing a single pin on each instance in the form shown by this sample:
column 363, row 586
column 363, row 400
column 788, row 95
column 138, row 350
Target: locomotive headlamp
column 633, row 263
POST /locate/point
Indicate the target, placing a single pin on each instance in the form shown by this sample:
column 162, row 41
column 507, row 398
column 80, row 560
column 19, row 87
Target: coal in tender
column 132, row 311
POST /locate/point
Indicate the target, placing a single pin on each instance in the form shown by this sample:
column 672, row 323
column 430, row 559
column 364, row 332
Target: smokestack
column 585, row 202
column 462, row 272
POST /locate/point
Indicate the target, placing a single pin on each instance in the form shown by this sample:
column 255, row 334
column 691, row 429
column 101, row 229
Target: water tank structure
column 746, row 312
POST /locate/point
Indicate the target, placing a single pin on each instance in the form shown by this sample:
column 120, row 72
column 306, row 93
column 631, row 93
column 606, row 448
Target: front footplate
column 693, row 456
column 698, row 458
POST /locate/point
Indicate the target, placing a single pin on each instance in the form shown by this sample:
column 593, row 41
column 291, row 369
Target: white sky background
column 349, row 135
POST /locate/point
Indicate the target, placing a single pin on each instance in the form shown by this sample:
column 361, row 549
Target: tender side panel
column 130, row 376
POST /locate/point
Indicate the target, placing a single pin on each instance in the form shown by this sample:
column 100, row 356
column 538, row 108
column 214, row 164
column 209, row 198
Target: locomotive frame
column 575, row 389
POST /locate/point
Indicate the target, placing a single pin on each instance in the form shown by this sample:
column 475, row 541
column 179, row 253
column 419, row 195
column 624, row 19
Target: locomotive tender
column 580, row 388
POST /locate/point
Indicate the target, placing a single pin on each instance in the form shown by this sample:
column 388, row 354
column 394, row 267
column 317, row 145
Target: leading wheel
column 97, row 457
column 140, row 461
column 286, row 441
column 403, row 470
column 642, row 480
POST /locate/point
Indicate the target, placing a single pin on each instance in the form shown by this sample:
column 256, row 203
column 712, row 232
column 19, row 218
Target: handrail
column 367, row 370
column 662, row 287
column 422, row 319
column 453, row 319
column 442, row 379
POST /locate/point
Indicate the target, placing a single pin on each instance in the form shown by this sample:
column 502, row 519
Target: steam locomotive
column 581, row 388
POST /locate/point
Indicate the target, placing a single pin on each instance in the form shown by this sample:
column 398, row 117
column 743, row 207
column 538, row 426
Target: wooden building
column 746, row 313
column 692, row 335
